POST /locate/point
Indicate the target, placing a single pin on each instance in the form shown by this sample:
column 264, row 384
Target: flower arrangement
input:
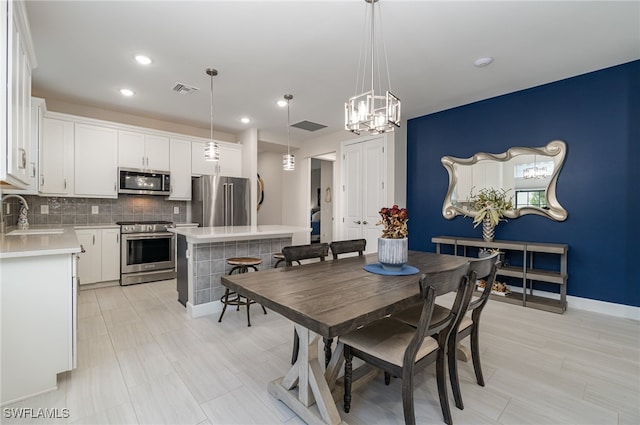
column 490, row 203
column 394, row 220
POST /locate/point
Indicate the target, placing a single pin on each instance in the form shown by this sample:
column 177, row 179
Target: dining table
column 326, row 299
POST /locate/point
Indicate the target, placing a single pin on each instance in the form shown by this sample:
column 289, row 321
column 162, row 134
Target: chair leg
column 387, row 378
column 348, row 377
column 225, row 297
column 442, row 387
column 296, row 347
column 453, row 371
column 248, row 316
column 327, row 350
column 475, row 355
column 407, row 397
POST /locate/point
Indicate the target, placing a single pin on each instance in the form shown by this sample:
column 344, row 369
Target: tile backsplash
column 91, row 211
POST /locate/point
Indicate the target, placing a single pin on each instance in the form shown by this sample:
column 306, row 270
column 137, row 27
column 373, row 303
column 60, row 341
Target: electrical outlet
column 95, row 209
column 176, row 210
column 8, row 208
column 44, row 209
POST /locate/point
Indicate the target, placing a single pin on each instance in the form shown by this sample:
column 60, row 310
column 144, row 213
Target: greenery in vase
column 491, row 203
column 394, row 220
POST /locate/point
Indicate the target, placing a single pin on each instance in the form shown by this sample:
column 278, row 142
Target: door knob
column 365, row 222
column 358, row 222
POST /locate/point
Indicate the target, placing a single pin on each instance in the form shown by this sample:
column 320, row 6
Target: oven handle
column 147, row 235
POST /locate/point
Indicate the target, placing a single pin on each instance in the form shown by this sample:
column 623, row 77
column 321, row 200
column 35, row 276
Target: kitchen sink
column 36, row 232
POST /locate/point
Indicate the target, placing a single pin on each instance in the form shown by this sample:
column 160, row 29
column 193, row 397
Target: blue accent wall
column 598, row 116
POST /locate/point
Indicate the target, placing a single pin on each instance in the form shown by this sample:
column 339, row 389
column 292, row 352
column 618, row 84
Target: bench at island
column 202, row 253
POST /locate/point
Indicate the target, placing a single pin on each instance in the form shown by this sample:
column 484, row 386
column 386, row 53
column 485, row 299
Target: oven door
column 142, row 252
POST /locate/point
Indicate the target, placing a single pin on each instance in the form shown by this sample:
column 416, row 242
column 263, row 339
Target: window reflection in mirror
column 527, row 174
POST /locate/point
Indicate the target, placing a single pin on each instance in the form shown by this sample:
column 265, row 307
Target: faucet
column 23, row 222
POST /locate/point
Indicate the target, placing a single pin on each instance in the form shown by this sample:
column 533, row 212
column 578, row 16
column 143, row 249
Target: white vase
column 393, row 253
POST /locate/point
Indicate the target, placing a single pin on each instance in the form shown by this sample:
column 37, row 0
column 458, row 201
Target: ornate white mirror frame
column 515, row 171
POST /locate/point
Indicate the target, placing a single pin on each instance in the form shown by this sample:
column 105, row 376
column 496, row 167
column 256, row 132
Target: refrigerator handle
column 231, row 202
column 225, row 204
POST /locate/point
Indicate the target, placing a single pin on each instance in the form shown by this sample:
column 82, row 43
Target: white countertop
column 237, row 233
column 14, row 246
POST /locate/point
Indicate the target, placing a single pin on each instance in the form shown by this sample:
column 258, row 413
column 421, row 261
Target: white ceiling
column 264, row 49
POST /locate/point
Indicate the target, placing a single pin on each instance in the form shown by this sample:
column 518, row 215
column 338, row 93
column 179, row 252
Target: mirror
column 527, row 174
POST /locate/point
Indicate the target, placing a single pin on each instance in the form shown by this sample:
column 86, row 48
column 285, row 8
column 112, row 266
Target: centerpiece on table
column 393, row 245
column 489, row 206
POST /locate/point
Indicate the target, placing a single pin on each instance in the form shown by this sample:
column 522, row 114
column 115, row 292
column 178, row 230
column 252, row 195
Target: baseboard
column 204, row 309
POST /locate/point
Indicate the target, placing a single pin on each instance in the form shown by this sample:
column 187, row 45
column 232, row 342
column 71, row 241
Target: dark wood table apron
column 329, row 299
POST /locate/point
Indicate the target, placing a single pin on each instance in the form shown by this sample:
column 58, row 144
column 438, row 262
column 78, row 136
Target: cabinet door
column 230, row 163
column 96, row 161
column 180, row 166
column 131, row 152
column 89, row 263
column 198, row 164
column 56, row 157
column 157, row 152
column 110, row 254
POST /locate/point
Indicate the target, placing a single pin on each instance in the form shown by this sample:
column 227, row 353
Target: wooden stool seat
column 241, row 265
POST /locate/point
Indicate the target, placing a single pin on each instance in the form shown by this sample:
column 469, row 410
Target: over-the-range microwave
column 144, row 182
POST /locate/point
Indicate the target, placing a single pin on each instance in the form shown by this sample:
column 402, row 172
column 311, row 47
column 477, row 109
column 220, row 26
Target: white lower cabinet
column 37, row 323
column 100, row 261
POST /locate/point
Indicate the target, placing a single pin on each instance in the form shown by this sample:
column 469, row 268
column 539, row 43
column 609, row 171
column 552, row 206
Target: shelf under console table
column 527, row 272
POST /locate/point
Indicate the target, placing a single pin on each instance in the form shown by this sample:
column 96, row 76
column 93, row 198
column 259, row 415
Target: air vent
column 308, row 125
column 184, row 89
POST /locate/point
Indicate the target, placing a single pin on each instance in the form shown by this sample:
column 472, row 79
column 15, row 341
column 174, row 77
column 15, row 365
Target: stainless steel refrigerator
column 220, row 201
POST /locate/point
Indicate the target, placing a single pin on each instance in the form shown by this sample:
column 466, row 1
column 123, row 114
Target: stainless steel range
column 148, row 252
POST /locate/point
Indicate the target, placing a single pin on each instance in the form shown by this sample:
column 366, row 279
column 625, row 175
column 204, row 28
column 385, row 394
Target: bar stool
column 241, row 265
column 280, row 257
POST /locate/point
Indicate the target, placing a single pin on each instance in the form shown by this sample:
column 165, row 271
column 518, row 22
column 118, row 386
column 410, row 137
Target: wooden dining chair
column 402, row 350
column 344, row 247
column 297, row 253
column 486, row 269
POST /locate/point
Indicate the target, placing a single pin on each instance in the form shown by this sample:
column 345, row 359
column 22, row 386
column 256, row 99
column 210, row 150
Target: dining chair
column 486, row 269
column 344, row 247
column 402, row 350
column 298, row 253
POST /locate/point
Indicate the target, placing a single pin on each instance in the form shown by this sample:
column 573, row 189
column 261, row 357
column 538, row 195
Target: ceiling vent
column 308, row 125
column 184, row 89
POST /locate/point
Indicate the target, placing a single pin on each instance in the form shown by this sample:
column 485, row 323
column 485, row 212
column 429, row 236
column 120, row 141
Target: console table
column 527, row 272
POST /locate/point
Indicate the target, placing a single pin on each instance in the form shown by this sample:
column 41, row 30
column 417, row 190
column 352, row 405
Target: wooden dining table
column 328, row 299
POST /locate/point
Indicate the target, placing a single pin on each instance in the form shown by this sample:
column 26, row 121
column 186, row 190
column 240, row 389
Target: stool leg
column 248, row 317
column 225, row 297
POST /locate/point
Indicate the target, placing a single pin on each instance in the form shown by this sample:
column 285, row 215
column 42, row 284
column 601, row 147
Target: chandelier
column 211, row 148
column 288, row 160
column 369, row 111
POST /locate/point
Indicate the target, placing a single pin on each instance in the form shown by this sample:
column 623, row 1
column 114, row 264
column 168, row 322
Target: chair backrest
column 343, row 247
column 432, row 285
column 305, row 252
column 486, row 268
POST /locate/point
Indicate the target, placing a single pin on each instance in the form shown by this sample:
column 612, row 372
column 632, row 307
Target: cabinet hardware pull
column 65, row 183
column 358, row 222
column 41, row 179
column 82, row 250
column 33, row 170
column 94, row 239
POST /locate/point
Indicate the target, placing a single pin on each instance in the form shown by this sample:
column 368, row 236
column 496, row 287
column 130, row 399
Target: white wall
column 270, row 169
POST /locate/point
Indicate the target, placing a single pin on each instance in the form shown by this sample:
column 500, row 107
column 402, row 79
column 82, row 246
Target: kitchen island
column 38, row 298
column 202, row 253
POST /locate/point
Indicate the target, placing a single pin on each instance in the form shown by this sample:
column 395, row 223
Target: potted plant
column 488, row 207
column 393, row 245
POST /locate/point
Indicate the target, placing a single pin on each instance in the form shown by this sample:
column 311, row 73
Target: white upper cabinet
column 143, row 151
column 56, row 158
column 15, row 124
column 180, row 167
column 96, row 161
column 230, row 163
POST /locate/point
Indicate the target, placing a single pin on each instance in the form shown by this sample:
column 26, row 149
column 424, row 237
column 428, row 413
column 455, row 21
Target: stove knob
column 150, row 228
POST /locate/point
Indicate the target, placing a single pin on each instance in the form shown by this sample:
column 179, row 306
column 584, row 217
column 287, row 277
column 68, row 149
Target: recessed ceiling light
column 142, row 59
column 126, row 92
column 245, row 120
column 482, row 62
column 282, row 103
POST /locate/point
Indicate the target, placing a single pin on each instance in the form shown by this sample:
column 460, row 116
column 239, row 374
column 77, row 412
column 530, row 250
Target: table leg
column 312, row 384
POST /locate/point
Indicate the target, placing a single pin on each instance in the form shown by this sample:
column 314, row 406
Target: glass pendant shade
column 211, row 148
column 288, row 162
column 375, row 113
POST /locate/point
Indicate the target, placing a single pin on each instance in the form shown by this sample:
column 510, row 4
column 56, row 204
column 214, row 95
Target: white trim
column 203, row 309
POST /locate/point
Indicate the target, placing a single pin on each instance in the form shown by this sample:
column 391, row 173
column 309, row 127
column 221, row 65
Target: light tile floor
column 142, row 360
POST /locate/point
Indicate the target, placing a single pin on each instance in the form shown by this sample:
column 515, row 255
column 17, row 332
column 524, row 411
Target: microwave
column 144, row 182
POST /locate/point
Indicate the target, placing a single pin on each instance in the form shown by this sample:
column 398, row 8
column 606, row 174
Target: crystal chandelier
column 211, row 148
column 368, row 111
column 288, row 160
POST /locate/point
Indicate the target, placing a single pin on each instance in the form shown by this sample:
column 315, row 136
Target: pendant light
column 368, row 111
column 211, row 148
column 288, row 160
